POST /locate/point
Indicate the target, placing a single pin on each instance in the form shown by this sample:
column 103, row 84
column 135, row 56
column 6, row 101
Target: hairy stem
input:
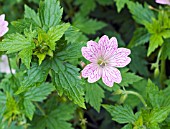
column 138, row 95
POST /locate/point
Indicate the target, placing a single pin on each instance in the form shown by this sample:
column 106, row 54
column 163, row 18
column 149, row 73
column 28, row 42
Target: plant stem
column 41, row 110
column 163, row 73
column 138, row 95
column 10, row 66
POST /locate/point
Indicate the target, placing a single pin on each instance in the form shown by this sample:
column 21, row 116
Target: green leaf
column 140, row 37
column 155, row 41
column 30, row 14
column 72, row 51
column 26, row 56
column 29, row 108
column 86, row 25
column 55, row 119
column 15, row 42
column 120, row 4
column 94, row 95
column 39, row 93
column 50, row 13
column 165, row 50
column 55, row 33
column 105, row 2
column 141, row 15
column 138, row 62
column 86, row 6
column 65, row 79
column 74, row 32
column 128, row 78
column 128, row 126
column 121, row 114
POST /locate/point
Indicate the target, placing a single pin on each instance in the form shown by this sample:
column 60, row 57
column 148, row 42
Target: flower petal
column 108, row 47
column 91, row 52
column 111, row 75
column 119, row 58
column 93, row 72
column 163, row 2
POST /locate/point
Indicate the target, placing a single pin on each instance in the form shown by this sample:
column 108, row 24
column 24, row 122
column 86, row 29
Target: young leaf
column 65, row 79
column 55, row 33
column 50, row 13
column 30, row 14
column 121, row 114
column 94, row 95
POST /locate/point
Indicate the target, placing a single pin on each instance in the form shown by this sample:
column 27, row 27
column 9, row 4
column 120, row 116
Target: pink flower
column 104, row 57
column 163, row 2
column 3, row 25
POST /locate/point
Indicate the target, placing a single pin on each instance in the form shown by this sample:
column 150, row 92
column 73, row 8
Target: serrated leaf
column 86, row 6
column 29, row 108
column 140, row 37
column 138, row 62
column 165, row 50
column 121, row 114
column 55, row 119
column 65, row 79
column 55, row 33
column 128, row 78
column 26, row 56
column 128, row 126
column 30, row 14
column 141, row 15
column 39, row 93
column 14, row 43
column 155, row 41
column 94, row 95
column 50, row 13
column 120, row 4
column 86, row 25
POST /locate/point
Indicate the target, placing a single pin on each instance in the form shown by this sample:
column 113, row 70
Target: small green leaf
column 30, row 14
column 121, row 114
column 55, row 33
column 120, row 4
column 29, row 108
column 94, row 95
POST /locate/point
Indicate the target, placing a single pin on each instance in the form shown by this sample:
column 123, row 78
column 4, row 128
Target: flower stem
column 163, row 73
column 10, row 65
column 138, row 95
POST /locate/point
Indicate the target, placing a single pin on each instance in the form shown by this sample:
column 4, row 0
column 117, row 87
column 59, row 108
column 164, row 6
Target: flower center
column 101, row 63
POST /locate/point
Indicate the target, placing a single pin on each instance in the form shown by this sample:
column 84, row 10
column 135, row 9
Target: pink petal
column 91, row 52
column 3, row 25
column 119, row 58
column 93, row 72
column 2, row 17
column 111, row 75
column 108, row 47
column 163, row 2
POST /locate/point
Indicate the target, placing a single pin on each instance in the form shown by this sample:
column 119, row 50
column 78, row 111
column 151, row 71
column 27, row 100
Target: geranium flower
column 3, row 25
column 104, row 56
column 163, row 2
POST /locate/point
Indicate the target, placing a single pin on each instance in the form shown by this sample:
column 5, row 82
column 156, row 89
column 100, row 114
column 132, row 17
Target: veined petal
column 119, row 58
column 163, row 2
column 93, row 72
column 91, row 52
column 111, row 75
column 108, row 47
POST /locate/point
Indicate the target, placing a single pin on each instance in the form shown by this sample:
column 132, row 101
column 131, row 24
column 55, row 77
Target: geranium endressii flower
column 3, row 25
column 104, row 56
column 163, row 2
